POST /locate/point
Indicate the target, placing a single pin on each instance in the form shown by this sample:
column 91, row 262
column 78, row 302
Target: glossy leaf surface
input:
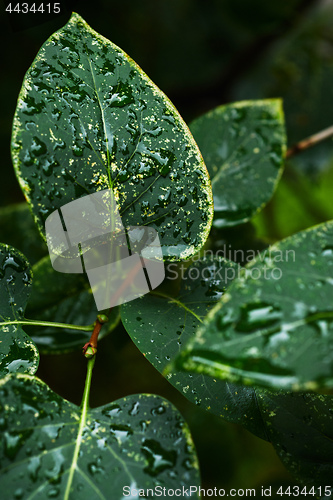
column 243, row 146
column 88, row 118
column 63, row 298
column 274, row 326
column 160, row 323
column 138, row 441
column 17, row 351
column 300, row 428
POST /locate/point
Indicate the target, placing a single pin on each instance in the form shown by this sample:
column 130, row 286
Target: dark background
column 201, row 54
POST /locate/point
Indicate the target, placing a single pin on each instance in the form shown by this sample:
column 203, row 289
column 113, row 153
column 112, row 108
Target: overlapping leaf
column 51, row 449
column 19, row 230
column 160, row 323
column 17, row 351
column 63, row 298
column 274, row 326
column 87, row 119
column 243, row 146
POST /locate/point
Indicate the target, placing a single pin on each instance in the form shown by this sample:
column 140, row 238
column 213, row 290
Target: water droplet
column 143, row 425
column 327, row 252
column 38, row 147
column 182, row 201
column 13, row 443
column 123, row 175
column 77, row 151
column 28, row 160
column 135, row 409
column 158, row 458
column 112, row 411
column 18, row 493
column 95, row 468
column 60, row 144
column 30, row 107
column 52, row 431
column 53, row 492
column 257, row 315
column 13, row 262
column 187, row 464
column 121, row 432
column 323, row 326
column 158, row 410
column 49, row 164
column 164, row 199
column 176, row 231
column 33, row 468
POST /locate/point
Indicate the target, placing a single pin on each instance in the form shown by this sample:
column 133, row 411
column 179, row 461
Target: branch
column 309, row 142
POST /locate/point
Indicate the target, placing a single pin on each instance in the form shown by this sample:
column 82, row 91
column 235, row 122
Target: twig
column 309, row 142
column 90, row 348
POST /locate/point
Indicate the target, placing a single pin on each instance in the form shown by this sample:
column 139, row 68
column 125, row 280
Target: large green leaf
column 51, row 449
column 19, row 230
column 161, row 322
column 17, row 351
column 274, row 326
column 63, row 298
column 243, row 146
column 88, row 118
column 300, row 428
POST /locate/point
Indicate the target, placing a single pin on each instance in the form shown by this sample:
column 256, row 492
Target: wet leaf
column 19, row 230
column 63, row 298
column 160, row 323
column 300, row 428
column 274, row 326
column 243, row 146
column 17, row 351
column 87, row 119
column 139, row 441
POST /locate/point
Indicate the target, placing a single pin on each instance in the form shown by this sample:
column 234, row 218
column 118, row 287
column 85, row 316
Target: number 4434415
column 24, row 8
column 321, row 491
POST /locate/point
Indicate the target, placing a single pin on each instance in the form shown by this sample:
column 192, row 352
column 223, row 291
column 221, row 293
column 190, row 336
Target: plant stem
column 83, row 419
column 33, row 322
column 86, row 392
column 90, row 348
column 309, row 142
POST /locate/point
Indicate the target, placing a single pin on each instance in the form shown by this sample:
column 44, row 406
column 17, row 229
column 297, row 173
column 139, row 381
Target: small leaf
column 19, row 230
column 63, row 298
column 274, row 326
column 160, row 323
column 88, row 118
column 52, row 449
column 243, row 146
column 17, row 351
column 300, row 428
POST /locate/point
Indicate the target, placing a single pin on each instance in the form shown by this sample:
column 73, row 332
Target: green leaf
column 17, row 351
column 88, row 118
column 274, row 326
column 160, row 323
column 19, row 230
column 243, row 146
column 63, row 298
column 51, row 449
column 300, row 428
